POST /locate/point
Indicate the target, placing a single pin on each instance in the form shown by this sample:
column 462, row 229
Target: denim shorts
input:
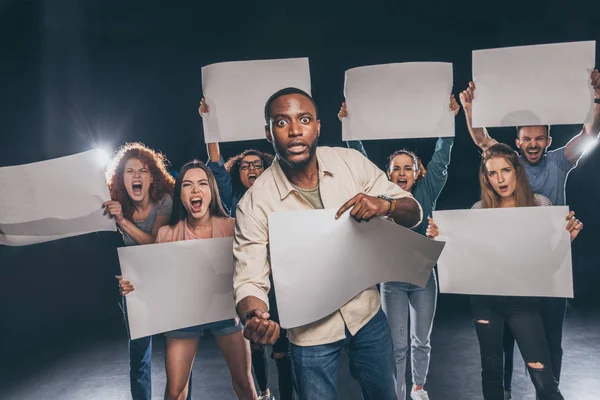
column 219, row 328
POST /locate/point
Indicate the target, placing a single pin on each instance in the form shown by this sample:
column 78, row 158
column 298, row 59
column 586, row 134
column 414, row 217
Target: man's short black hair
column 524, row 126
column 284, row 92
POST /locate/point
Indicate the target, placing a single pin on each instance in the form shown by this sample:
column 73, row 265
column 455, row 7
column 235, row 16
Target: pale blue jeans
column 399, row 300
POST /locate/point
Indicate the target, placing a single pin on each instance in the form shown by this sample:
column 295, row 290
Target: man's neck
column 305, row 177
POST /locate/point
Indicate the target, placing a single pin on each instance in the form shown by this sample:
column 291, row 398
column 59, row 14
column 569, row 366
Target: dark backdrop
column 80, row 73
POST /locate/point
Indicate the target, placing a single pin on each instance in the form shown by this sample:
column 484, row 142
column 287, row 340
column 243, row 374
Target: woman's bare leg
column 179, row 359
column 236, row 351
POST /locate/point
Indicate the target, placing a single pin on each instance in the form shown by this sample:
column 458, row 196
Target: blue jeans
column 140, row 368
column 372, row 364
column 398, row 299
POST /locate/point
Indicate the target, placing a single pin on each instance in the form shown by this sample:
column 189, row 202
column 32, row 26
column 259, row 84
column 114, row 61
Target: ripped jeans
column 522, row 314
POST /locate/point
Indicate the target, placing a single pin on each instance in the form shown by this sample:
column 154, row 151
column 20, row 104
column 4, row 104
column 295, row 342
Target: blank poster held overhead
column 398, row 101
column 178, row 284
column 236, row 93
column 534, row 85
column 53, row 199
column 524, row 251
column 320, row 263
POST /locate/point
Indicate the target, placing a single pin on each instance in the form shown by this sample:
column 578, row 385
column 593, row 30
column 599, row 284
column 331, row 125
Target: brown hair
column 233, row 167
column 525, row 126
column 523, row 194
column 418, row 165
column 162, row 181
column 215, row 208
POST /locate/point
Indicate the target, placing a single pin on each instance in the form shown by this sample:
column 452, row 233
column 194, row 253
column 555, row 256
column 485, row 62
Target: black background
column 76, row 74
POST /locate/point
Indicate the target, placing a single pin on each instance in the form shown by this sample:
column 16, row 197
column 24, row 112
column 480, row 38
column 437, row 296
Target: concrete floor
column 96, row 366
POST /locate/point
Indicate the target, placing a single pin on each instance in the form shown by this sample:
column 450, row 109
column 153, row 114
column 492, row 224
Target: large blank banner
column 178, row 284
column 398, row 101
column 523, row 251
column 534, row 85
column 320, row 263
column 53, row 199
column 236, row 93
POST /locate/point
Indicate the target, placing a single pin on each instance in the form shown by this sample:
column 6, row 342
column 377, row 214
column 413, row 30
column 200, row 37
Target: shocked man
column 304, row 177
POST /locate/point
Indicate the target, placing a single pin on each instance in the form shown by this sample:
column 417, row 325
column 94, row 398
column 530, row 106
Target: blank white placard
column 53, row 199
column 236, row 93
column 320, row 263
column 178, row 284
column 398, row 101
column 523, row 251
column 534, row 85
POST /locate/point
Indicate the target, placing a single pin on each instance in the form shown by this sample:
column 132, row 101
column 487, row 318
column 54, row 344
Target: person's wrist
column 597, row 99
column 388, row 206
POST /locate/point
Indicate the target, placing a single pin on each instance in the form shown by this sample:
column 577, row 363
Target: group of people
column 234, row 198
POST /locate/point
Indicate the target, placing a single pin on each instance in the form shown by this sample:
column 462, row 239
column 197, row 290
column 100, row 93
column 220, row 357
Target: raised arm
column 479, row 135
column 437, row 169
column 578, row 145
column 217, row 166
column 352, row 144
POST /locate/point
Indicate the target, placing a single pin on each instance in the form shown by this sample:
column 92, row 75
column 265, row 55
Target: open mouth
column 403, row 183
column 503, row 188
column 534, row 153
column 196, row 203
column 251, row 178
column 137, row 188
column 297, row 147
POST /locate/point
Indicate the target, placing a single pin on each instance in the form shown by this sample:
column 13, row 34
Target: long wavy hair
column 523, row 194
column 417, row 164
column 215, row 208
column 162, row 181
column 233, row 167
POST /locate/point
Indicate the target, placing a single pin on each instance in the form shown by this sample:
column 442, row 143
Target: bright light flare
column 590, row 146
column 103, row 156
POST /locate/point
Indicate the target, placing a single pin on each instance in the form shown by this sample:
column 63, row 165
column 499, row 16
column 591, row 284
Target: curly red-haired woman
column 141, row 190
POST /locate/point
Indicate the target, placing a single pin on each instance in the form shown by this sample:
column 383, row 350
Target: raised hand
column 466, row 98
column 432, row 229
column 203, row 109
column 596, row 83
column 574, row 226
column 454, row 107
column 343, row 111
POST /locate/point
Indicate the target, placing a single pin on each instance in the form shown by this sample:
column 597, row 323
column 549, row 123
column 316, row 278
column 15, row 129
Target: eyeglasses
column 258, row 164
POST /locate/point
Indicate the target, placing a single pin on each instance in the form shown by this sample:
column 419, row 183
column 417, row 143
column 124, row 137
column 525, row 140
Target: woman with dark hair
column 140, row 189
column 504, row 184
column 198, row 214
column 233, row 178
column 399, row 298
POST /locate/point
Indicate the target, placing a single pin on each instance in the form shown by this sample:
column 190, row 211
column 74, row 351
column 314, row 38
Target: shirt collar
column 283, row 184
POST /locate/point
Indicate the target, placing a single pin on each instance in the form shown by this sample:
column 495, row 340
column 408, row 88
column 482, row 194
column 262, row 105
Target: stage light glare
column 103, row 156
column 590, row 146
